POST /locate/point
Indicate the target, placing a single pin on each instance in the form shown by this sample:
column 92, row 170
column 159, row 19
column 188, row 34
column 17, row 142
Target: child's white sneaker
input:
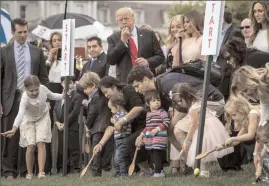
column 159, row 175
column 204, row 174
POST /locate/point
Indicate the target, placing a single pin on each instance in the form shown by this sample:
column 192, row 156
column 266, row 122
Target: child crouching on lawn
column 186, row 97
column 122, row 159
column 154, row 136
column 98, row 119
column 34, row 122
column 262, row 136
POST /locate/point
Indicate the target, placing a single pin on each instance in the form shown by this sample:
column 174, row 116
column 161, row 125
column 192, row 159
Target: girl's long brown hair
column 196, row 19
column 186, row 92
column 50, row 42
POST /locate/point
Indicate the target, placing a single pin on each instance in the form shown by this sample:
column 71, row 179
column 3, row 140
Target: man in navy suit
column 19, row 59
column 132, row 46
column 98, row 61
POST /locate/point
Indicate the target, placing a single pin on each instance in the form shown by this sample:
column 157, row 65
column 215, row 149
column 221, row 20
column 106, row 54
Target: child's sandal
column 41, row 175
column 174, row 171
column 29, row 176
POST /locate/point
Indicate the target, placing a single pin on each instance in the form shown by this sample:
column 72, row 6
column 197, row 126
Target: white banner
column 72, row 46
column 212, row 27
column 68, row 41
column 42, row 32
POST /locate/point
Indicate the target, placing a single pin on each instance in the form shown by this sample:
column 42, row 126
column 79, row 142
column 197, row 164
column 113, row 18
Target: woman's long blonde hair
column 257, row 26
column 250, row 78
column 240, row 105
column 171, row 39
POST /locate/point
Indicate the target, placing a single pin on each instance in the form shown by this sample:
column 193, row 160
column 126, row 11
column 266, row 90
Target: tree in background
column 181, row 8
column 240, row 9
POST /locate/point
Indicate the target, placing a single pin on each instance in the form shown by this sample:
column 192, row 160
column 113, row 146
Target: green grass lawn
column 218, row 178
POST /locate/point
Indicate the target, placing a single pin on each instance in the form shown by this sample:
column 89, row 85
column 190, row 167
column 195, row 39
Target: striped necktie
column 21, row 67
column 92, row 62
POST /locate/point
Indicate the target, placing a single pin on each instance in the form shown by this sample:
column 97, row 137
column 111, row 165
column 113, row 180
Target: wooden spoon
column 204, row 154
column 132, row 166
column 83, row 172
column 87, row 147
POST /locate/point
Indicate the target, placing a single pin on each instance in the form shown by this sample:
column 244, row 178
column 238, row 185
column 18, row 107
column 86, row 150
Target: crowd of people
column 146, row 106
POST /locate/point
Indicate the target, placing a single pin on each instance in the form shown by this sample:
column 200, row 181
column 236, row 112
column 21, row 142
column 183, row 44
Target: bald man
column 246, row 29
column 132, row 46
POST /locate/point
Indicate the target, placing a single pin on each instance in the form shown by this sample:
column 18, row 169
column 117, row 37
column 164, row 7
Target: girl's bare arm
column 194, row 116
column 250, row 133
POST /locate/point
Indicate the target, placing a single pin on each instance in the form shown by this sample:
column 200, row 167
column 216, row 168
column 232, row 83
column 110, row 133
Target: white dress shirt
column 134, row 37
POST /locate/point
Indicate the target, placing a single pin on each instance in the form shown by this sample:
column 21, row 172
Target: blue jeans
column 122, row 158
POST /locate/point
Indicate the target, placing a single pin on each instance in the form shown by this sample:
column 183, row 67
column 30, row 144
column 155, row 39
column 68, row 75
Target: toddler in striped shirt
column 154, row 136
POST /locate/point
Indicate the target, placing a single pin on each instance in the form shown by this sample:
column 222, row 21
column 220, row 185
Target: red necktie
column 133, row 51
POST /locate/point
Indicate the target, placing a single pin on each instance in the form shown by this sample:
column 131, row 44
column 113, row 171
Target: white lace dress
column 33, row 117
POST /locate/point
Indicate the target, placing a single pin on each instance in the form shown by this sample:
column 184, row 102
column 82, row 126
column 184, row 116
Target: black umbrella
column 85, row 26
column 56, row 21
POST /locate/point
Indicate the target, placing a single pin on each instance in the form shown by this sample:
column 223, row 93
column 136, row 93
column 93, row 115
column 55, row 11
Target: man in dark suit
column 98, row 62
column 98, row 119
column 228, row 32
column 75, row 99
column 132, row 46
column 18, row 60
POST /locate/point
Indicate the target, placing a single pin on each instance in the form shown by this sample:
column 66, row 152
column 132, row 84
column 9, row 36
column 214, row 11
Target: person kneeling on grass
column 34, row 122
column 262, row 166
column 214, row 131
column 154, row 136
column 122, row 159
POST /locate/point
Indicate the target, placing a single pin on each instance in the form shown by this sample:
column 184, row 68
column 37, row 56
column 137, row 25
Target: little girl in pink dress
column 215, row 133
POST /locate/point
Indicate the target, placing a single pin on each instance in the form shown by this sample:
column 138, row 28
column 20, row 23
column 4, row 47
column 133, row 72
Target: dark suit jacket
column 148, row 47
column 101, row 67
column 9, row 73
column 98, row 118
column 75, row 101
column 224, row 84
column 256, row 59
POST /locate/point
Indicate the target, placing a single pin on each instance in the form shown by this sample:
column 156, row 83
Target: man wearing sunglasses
column 246, row 29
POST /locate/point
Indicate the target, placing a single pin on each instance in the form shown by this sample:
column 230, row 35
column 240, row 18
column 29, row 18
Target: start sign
column 68, row 48
column 212, row 27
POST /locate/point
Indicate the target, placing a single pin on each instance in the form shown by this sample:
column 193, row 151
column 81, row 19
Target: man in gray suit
column 18, row 60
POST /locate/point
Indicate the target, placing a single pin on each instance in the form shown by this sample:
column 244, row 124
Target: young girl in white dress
column 34, row 122
column 214, row 132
